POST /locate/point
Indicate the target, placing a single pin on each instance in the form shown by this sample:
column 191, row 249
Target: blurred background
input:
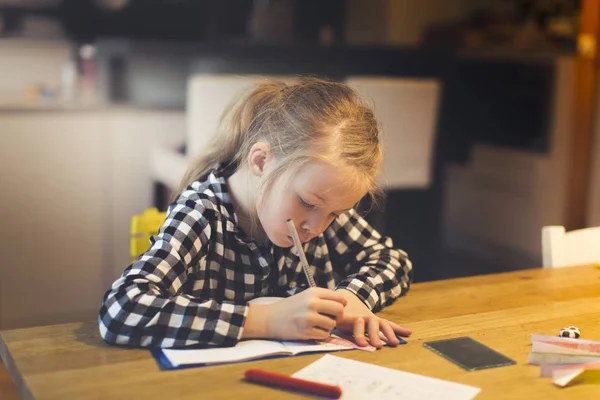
column 488, row 110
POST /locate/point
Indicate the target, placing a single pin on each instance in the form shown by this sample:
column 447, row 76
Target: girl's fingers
column 330, row 308
column 328, row 294
column 359, row 332
column 317, row 333
column 373, row 331
column 388, row 332
column 400, row 330
column 323, row 322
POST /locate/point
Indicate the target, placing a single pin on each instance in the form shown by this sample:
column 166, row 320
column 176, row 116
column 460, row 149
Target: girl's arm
column 146, row 305
column 376, row 272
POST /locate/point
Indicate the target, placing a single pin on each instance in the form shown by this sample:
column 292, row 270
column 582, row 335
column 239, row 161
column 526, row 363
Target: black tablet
column 468, row 353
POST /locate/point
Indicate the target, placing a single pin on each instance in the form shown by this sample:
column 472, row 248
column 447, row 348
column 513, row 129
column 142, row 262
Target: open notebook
column 247, row 350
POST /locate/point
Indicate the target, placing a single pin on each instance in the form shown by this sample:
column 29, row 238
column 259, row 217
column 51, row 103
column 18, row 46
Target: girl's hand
column 311, row 314
column 358, row 319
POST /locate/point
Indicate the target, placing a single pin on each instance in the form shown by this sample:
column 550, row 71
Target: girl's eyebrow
column 318, row 197
column 324, row 202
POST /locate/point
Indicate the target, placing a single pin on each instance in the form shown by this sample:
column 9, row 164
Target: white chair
column 578, row 247
column 407, row 110
column 208, row 95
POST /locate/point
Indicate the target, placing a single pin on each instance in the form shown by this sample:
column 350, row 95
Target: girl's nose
column 305, row 231
column 313, row 227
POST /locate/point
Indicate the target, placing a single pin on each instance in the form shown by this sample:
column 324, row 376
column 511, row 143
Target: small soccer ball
column 572, row 332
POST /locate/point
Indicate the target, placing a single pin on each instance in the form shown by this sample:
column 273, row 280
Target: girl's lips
column 302, row 240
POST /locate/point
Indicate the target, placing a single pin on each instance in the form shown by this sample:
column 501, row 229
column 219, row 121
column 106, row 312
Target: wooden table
column 502, row 310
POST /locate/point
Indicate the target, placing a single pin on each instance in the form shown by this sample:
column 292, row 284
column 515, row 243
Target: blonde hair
column 314, row 119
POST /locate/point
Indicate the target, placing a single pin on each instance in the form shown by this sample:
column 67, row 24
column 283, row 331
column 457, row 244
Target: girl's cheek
column 298, row 216
column 289, row 207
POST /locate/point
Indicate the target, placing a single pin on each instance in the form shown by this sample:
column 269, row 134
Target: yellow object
column 142, row 228
column 586, row 45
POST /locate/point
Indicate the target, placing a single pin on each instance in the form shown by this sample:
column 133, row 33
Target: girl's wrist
column 256, row 325
column 350, row 296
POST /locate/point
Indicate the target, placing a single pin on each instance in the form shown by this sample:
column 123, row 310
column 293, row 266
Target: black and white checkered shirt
column 191, row 287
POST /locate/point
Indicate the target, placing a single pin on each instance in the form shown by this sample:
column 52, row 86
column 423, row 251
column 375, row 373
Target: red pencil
column 287, row 382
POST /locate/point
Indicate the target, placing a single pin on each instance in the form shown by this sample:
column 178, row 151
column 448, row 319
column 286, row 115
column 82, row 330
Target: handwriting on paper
column 360, row 380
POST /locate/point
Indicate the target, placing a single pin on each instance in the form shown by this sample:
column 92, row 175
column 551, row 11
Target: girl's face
column 312, row 198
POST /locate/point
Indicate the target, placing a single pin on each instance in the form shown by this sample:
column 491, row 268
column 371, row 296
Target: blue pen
column 400, row 340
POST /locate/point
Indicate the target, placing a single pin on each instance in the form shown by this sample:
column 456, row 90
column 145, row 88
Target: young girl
column 307, row 152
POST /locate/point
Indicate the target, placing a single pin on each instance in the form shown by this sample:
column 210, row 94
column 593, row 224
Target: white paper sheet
column 561, row 345
column 567, row 374
column 361, row 381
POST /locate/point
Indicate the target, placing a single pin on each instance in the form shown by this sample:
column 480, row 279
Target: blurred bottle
column 87, row 69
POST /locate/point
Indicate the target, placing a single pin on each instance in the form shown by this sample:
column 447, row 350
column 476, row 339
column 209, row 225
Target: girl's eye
column 306, row 204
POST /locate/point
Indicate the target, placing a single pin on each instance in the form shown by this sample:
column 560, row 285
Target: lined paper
column 360, row 381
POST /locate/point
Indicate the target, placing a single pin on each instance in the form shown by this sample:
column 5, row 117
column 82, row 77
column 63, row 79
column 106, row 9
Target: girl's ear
column 260, row 155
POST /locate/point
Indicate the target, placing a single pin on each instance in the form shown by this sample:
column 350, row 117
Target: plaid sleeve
column 146, row 305
column 375, row 270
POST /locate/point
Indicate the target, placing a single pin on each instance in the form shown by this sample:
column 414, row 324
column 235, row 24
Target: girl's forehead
column 333, row 183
